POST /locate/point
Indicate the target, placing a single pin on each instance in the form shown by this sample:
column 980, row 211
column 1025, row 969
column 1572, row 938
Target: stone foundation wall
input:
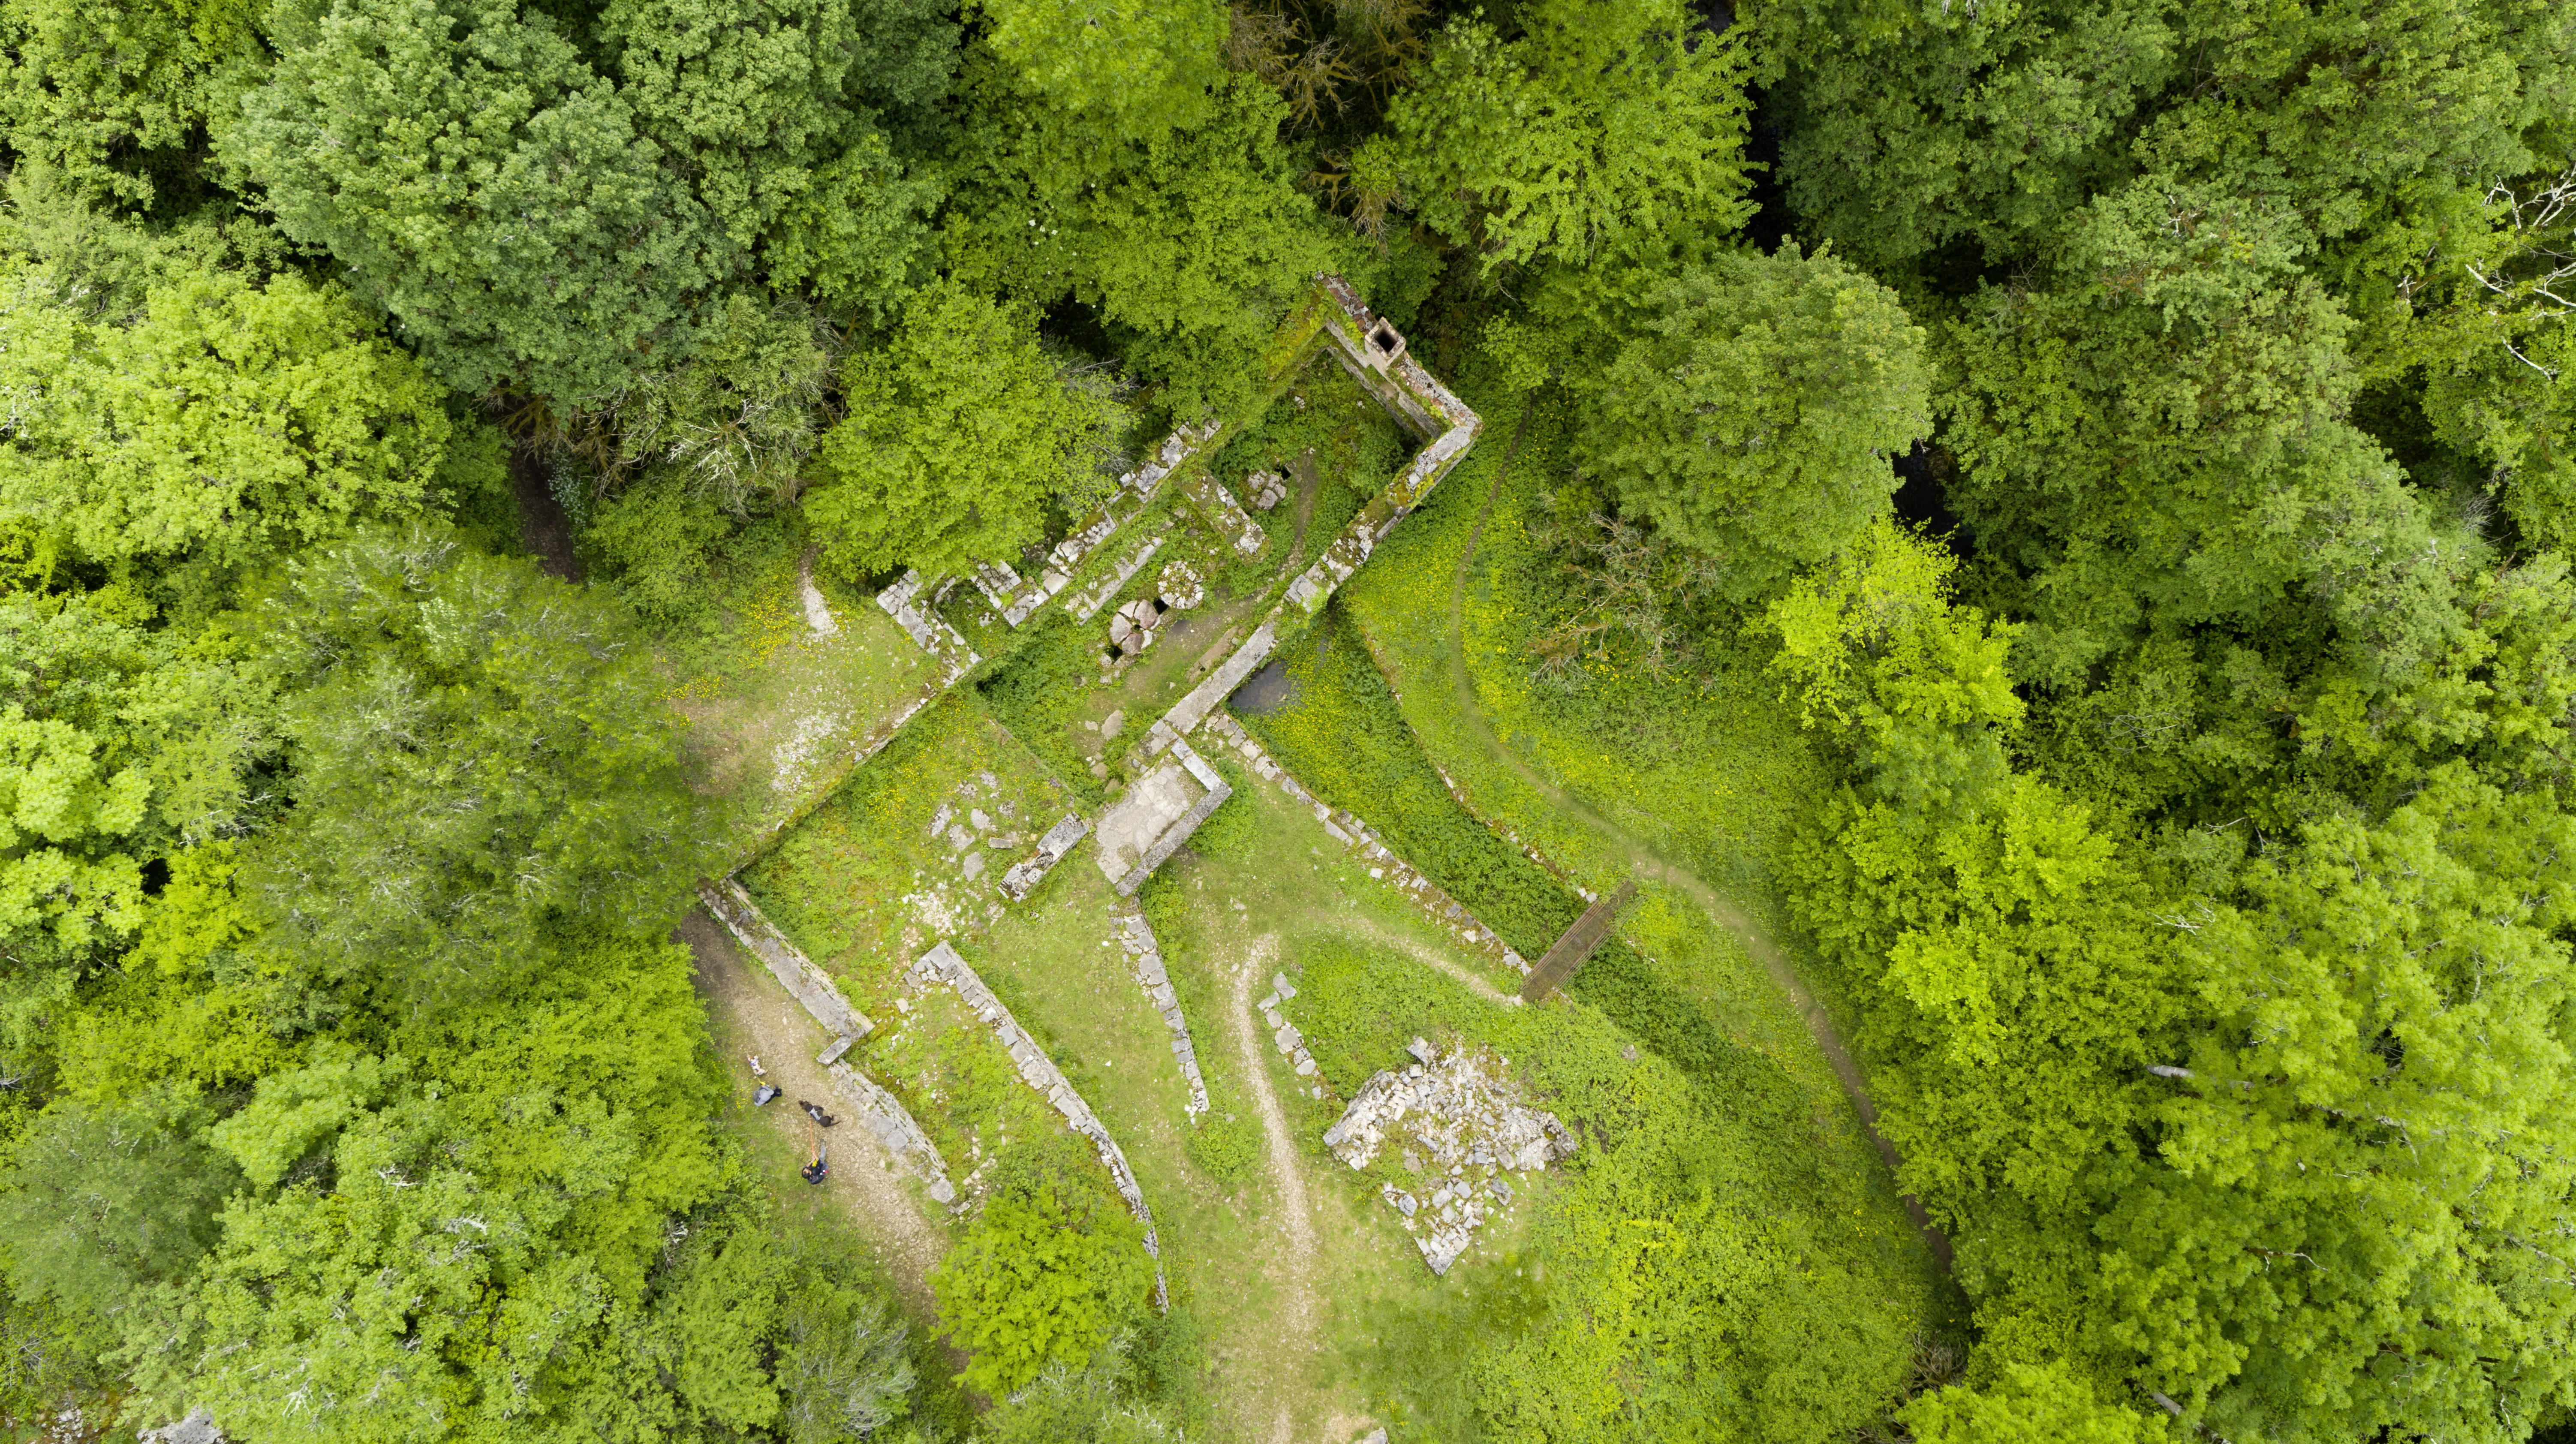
column 1145, row 959
column 880, row 1112
column 942, row 964
column 1350, row 831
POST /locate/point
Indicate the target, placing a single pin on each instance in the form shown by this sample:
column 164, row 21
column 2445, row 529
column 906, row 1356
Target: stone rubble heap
column 1225, row 516
column 974, row 838
column 1283, row 1034
column 1132, row 627
column 942, row 965
column 1145, row 960
column 1456, row 1118
column 1266, row 488
column 1180, row 586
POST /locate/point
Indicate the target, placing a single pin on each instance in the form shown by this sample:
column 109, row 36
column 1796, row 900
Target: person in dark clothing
column 762, row 1094
column 817, row 1114
column 818, row 1170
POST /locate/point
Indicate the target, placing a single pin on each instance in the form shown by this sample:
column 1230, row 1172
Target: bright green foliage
column 1672, row 1310
column 961, row 429
column 533, row 220
column 1132, row 68
column 1597, row 128
column 103, row 1199
column 1190, row 245
column 478, row 749
column 1871, row 650
column 656, row 538
column 2000, row 949
column 470, row 1243
column 190, row 1005
column 2374, row 1136
column 297, row 1109
column 2032, row 1405
column 115, row 743
column 113, row 94
column 227, row 424
column 1755, row 418
column 1068, row 1406
column 1046, row 1274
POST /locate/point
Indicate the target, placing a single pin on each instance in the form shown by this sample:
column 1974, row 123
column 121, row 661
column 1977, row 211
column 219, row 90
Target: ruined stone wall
column 942, row 964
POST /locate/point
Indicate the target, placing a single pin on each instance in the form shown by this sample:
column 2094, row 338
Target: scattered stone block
column 1025, row 875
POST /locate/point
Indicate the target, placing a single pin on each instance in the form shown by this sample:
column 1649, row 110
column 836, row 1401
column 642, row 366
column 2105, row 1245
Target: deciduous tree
column 961, row 429
column 1755, row 417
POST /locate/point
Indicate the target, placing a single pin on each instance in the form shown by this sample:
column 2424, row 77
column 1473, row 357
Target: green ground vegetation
column 2047, row 557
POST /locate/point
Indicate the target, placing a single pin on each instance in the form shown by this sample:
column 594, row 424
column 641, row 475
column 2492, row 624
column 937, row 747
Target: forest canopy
column 2129, row 448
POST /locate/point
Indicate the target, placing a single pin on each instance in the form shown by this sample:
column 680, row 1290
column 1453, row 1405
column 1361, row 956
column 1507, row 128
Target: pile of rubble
column 1458, row 1123
column 1283, row 1034
column 1266, row 489
column 1133, row 627
column 1180, row 587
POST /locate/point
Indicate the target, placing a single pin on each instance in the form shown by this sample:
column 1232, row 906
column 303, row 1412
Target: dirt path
column 544, row 529
column 786, row 1040
column 1295, row 1266
column 1428, row 956
column 1649, row 863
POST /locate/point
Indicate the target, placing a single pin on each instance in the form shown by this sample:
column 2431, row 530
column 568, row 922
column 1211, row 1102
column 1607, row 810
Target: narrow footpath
column 1294, row 1266
column 1651, row 864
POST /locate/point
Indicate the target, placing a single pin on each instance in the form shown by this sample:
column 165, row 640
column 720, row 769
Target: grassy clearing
column 777, row 712
column 1705, row 764
column 1448, row 1358
column 1754, row 1103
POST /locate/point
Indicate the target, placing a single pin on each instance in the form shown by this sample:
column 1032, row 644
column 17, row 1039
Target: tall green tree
column 478, row 752
column 1051, row 1270
column 548, row 210
column 2360, row 1157
column 1190, row 245
column 104, row 1200
column 118, row 743
column 115, row 97
column 2029, row 1404
column 1133, row 68
column 962, row 428
column 1597, row 127
column 1755, row 417
column 470, row 1242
